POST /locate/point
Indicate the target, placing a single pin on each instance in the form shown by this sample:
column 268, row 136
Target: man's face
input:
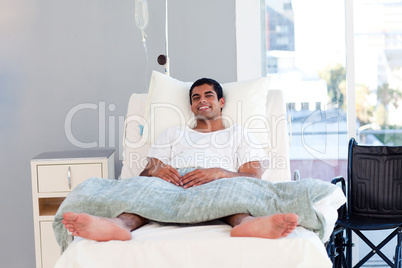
column 205, row 103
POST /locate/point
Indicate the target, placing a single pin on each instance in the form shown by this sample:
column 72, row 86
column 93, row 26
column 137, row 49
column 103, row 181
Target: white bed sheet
column 200, row 246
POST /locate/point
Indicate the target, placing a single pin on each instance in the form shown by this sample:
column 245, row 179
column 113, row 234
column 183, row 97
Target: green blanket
column 158, row 200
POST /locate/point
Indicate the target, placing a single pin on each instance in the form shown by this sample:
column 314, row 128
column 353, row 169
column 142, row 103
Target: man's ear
column 222, row 101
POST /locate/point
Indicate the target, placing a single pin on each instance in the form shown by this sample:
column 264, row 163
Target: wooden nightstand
column 54, row 175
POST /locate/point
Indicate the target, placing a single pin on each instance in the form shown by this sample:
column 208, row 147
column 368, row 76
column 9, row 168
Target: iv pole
column 164, row 59
column 167, row 71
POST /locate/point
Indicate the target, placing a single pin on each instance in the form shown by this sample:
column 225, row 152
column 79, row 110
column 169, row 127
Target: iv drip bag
column 141, row 16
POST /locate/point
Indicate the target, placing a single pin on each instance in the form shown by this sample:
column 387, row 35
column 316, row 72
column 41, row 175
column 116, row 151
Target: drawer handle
column 69, row 177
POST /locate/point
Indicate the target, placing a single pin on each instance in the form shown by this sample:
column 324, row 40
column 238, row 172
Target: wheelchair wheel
column 398, row 255
column 340, row 246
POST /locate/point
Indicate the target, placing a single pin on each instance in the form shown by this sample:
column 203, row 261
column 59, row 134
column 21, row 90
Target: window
column 306, row 53
column 378, row 61
column 312, row 70
column 287, row 6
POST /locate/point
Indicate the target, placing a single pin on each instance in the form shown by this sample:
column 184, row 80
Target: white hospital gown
column 182, row 147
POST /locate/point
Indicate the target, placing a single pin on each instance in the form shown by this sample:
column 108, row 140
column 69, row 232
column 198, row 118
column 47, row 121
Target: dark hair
column 216, row 86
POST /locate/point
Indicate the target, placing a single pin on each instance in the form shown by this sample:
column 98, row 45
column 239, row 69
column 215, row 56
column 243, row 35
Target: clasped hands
column 194, row 178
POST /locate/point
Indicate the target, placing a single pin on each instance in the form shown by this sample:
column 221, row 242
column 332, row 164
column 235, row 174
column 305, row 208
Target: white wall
column 248, row 39
column 55, row 55
column 202, row 39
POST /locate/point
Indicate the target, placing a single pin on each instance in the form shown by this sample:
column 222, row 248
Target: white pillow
column 168, row 105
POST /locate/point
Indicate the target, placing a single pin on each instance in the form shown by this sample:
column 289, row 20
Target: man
column 167, row 157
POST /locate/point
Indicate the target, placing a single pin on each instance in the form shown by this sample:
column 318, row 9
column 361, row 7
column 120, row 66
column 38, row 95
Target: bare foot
column 274, row 226
column 96, row 228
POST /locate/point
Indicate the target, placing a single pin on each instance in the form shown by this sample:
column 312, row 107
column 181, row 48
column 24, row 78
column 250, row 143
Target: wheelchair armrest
column 340, row 179
column 342, row 213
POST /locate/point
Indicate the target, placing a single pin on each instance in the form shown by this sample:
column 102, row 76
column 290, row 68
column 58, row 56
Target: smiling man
column 206, row 105
column 204, row 153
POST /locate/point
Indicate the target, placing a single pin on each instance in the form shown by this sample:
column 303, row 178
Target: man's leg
column 274, row 226
column 102, row 229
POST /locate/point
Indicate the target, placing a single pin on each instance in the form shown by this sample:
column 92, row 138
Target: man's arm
column 202, row 176
column 156, row 168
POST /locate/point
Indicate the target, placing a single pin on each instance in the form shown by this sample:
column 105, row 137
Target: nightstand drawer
column 63, row 178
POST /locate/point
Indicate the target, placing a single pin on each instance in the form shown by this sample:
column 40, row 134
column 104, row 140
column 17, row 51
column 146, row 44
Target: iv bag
column 141, row 14
column 141, row 20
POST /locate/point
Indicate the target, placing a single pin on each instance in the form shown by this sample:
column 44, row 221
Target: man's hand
column 168, row 173
column 201, row 176
column 156, row 168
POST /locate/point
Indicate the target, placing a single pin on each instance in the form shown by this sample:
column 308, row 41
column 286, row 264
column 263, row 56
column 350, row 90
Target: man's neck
column 209, row 125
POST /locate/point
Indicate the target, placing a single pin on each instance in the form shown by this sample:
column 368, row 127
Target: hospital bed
column 253, row 104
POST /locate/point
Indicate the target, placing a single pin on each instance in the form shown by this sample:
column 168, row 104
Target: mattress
column 210, row 245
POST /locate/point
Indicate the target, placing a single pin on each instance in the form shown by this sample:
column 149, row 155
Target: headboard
column 251, row 104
